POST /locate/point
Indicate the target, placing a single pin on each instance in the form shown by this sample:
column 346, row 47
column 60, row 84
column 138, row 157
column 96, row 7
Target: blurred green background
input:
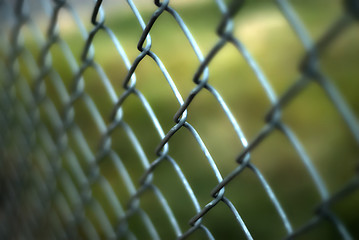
column 264, row 31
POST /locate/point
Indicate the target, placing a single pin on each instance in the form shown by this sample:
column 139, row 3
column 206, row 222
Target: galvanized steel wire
column 41, row 198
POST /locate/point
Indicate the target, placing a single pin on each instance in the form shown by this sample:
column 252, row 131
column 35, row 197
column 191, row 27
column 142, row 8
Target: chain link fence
column 128, row 127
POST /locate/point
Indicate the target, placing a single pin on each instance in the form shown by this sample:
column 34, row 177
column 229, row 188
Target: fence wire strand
column 52, row 182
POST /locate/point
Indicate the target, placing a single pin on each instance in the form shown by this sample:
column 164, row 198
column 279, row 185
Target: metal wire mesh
column 76, row 165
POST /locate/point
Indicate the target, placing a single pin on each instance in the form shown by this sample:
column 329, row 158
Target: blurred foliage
column 263, row 29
